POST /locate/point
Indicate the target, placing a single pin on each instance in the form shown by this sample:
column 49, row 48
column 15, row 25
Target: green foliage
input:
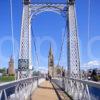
column 98, row 77
column 3, row 70
column 7, row 78
column 12, row 75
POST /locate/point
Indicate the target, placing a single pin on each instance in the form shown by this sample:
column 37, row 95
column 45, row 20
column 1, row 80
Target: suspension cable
column 34, row 42
column 62, row 43
column 12, row 31
column 89, row 8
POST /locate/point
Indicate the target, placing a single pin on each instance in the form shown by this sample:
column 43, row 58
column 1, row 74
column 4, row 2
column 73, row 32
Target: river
column 95, row 93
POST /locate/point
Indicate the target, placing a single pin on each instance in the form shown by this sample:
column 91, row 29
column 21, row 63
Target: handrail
column 88, row 82
column 78, row 89
column 13, row 83
column 91, row 83
column 16, row 90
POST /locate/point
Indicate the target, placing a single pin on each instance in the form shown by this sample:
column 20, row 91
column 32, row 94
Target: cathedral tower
column 50, row 62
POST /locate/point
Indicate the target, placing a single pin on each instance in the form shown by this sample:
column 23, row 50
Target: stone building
column 11, row 70
column 58, row 70
column 51, row 63
column 52, row 69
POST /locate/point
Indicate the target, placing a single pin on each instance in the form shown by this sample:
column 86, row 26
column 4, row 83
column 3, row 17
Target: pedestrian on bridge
column 49, row 76
column 63, row 81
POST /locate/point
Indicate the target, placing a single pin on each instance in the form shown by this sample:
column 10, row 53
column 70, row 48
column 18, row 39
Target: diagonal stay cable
column 62, row 43
column 34, row 42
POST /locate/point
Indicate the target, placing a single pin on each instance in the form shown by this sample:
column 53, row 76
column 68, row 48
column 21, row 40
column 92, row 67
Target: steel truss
column 30, row 10
column 72, row 38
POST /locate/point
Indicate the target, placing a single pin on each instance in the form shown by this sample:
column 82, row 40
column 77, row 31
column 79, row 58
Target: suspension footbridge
column 67, row 87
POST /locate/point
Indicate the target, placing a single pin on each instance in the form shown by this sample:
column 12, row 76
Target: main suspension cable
column 34, row 42
column 12, row 31
column 62, row 43
column 89, row 13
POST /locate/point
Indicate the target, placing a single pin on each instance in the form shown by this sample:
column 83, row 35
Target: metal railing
column 79, row 89
column 19, row 89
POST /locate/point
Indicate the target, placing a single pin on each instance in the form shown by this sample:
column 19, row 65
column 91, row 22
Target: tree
column 94, row 75
column 3, row 70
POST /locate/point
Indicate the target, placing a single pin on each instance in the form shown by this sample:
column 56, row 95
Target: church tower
column 50, row 62
column 11, row 70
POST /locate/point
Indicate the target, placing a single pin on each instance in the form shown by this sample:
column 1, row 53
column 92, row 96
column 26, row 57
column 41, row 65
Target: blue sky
column 49, row 26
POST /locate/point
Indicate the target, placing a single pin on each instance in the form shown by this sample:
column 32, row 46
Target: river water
column 95, row 93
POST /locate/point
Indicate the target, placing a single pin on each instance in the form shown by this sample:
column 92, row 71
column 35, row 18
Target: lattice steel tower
column 73, row 49
column 25, row 62
column 67, row 9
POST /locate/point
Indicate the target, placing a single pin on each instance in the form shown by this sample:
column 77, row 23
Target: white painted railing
column 19, row 89
column 79, row 89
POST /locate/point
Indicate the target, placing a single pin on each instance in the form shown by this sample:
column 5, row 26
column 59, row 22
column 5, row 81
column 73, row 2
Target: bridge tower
column 30, row 10
column 72, row 38
column 25, row 62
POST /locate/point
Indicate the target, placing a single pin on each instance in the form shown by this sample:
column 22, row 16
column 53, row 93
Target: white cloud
column 91, row 65
column 43, row 69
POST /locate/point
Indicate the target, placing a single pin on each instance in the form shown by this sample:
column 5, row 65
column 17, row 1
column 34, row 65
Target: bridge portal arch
column 56, row 8
column 30, row 10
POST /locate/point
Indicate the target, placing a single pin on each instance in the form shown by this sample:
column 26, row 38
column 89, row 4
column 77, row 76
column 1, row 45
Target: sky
column 49, row 27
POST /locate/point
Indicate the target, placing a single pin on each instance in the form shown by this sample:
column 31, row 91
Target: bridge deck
column 46, row 91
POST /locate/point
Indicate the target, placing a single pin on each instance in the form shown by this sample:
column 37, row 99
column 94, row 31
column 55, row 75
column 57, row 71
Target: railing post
column 88, row 92
column 5, row 95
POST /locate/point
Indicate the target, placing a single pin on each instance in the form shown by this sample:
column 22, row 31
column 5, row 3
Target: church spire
column 11, row 59
column 50, row 52
column 50, row 62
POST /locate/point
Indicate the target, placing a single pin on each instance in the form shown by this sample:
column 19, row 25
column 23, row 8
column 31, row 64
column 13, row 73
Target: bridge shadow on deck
column 59, row 92
column 45, row 87
column 50, row 88
column 49, row 91
column 62, row 95
column 45, row 91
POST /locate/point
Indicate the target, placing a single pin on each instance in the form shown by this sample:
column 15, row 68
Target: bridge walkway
column 49, row 91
